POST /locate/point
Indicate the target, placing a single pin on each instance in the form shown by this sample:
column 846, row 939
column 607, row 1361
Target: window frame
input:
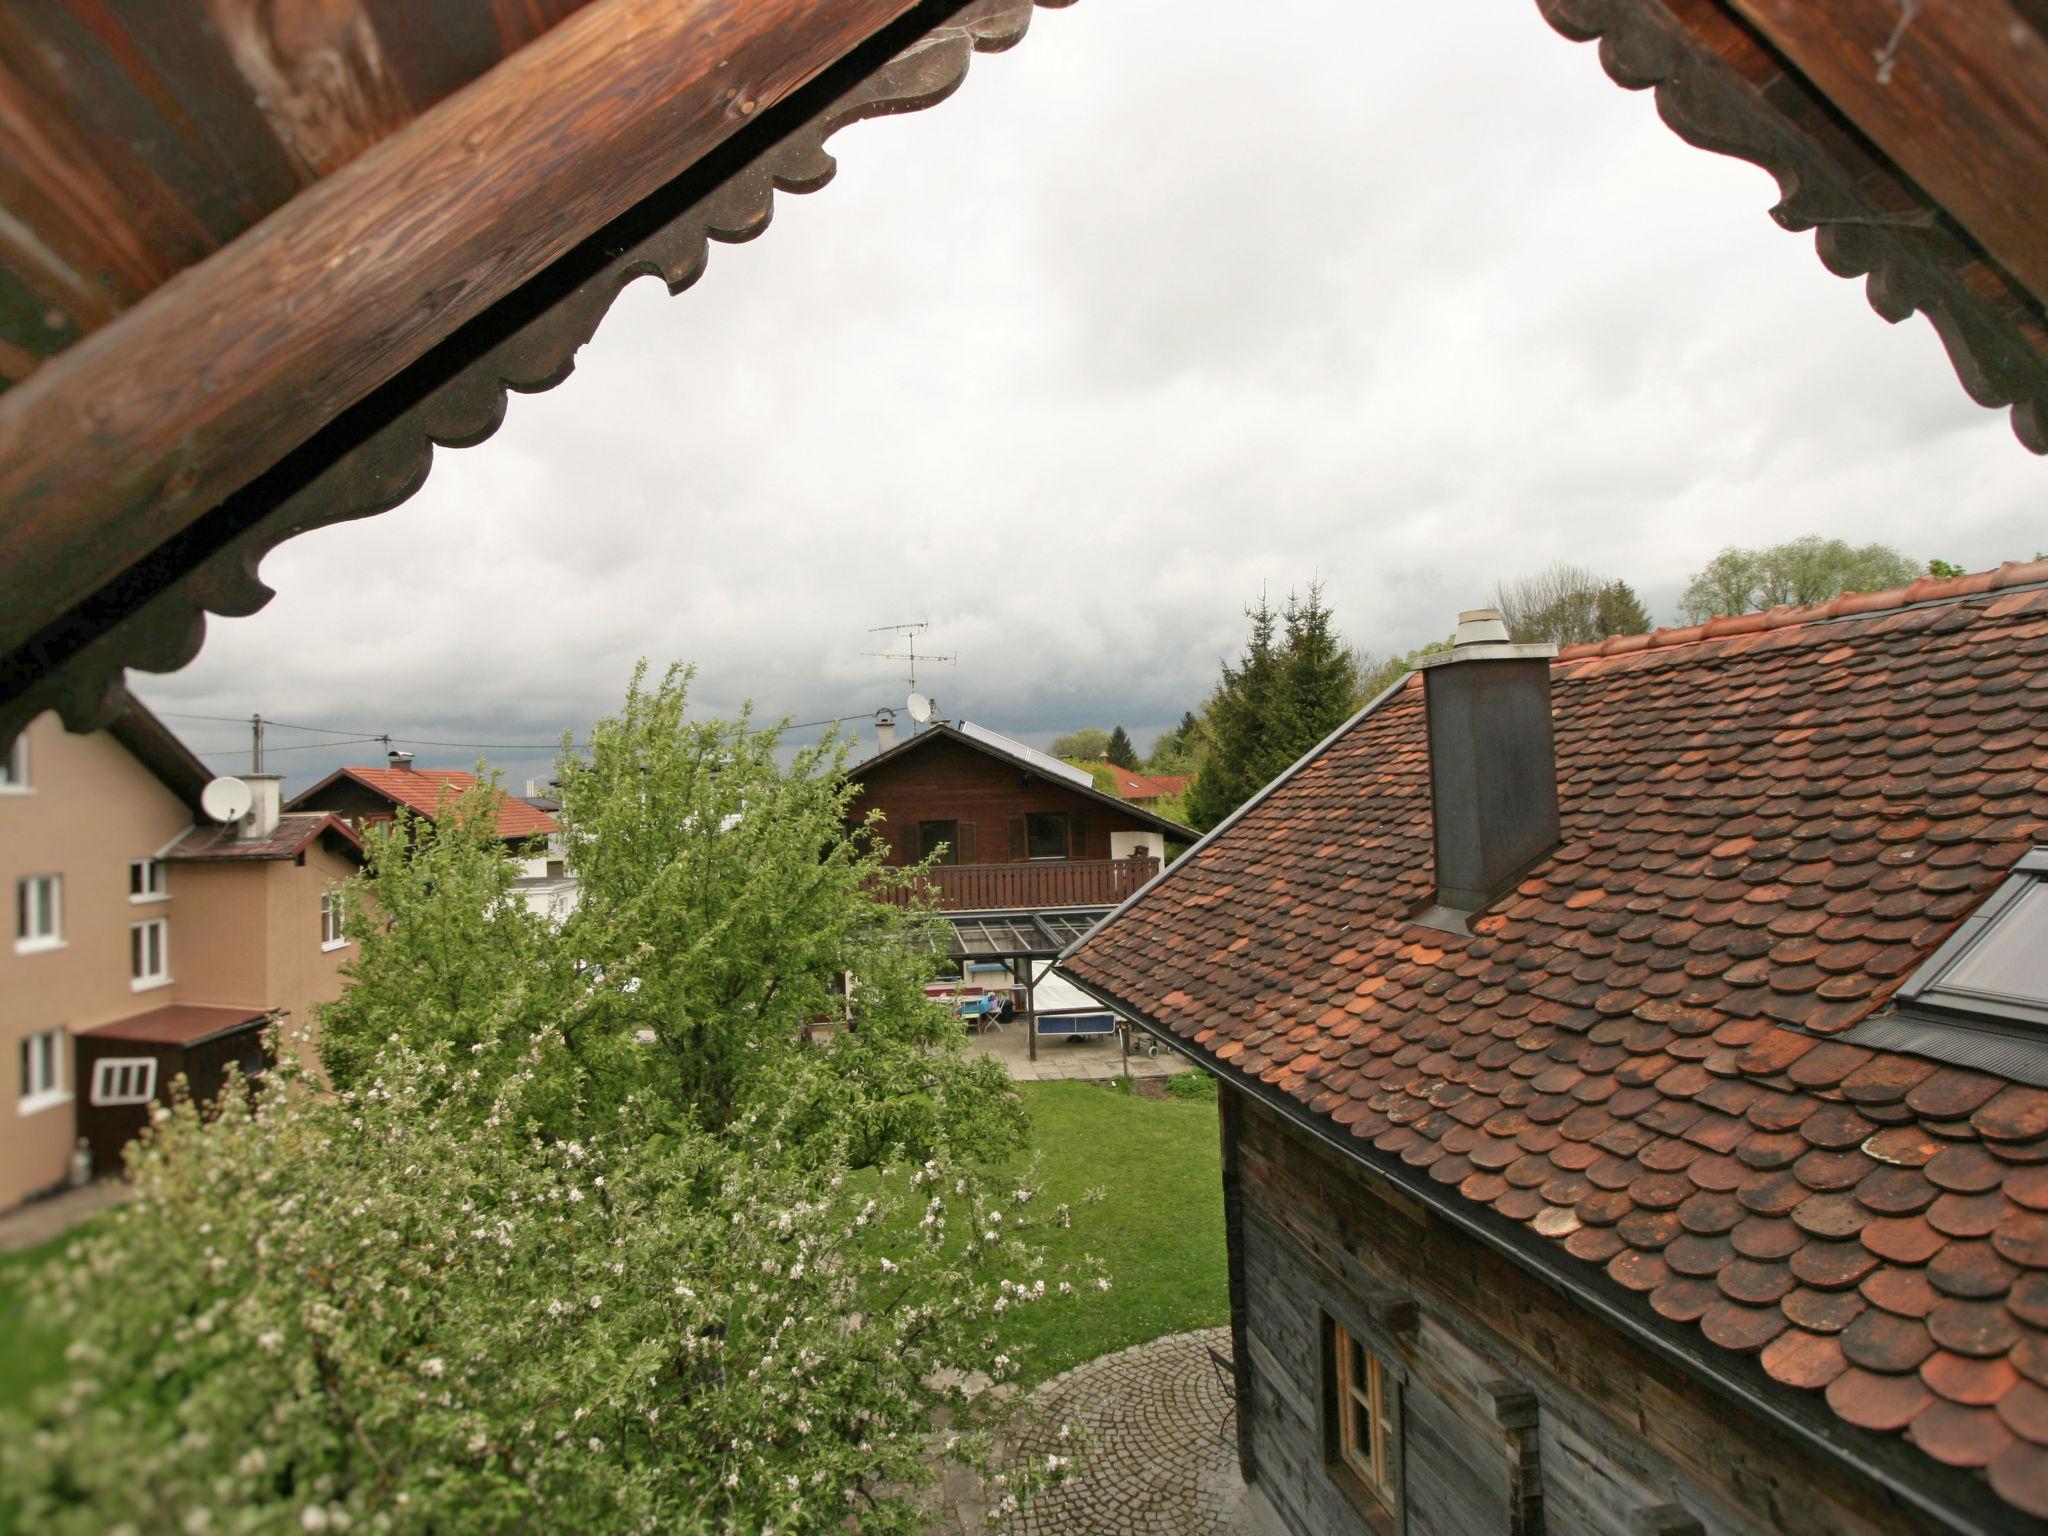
column 139, row 979
column 333, row 920
column 45, row 1090
column 14, row 768
column 51, row 910
column 119, row 1067
column 155, row 882
column 1928, row 991
column 1066, row 833
column 930, row 834
column 1366, row 1467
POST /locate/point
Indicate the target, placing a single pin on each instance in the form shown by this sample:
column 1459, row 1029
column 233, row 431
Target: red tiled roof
column 1132, row 785
column 295, row 829
column 426, row 790
column 178, row 1024
column 1766, row 826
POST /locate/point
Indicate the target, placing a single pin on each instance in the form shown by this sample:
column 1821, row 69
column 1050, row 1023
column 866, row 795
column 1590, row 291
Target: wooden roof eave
column 148, row 469
column 1792, row 88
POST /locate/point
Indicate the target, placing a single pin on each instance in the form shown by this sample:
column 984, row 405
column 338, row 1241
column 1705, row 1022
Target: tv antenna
column 909, row 654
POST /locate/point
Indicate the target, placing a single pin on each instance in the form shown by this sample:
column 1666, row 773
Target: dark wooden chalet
column 1632, row 1073
column 1012, row 828
column 257, row 271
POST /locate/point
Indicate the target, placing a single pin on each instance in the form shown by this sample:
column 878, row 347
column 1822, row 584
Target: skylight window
column 1994, row 968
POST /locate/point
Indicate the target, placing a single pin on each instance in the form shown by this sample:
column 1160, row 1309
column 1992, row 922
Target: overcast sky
column 1176, row 300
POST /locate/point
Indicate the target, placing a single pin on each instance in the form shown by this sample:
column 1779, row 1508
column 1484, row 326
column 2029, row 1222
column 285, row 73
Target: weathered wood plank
column 135, row 432
column 1955, row 93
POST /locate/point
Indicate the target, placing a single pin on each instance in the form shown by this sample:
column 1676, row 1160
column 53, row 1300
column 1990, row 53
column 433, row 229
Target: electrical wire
column 357, row 737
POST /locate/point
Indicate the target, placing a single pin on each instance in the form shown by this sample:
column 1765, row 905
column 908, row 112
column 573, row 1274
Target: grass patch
column 1158, row 1229
column 34, row 1356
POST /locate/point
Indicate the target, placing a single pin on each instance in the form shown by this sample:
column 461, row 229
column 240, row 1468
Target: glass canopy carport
column 1024, row 944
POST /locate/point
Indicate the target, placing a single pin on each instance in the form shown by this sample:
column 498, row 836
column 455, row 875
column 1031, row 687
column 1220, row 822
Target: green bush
column 1196, row 1085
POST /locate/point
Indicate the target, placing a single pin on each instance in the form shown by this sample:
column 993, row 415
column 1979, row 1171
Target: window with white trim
column 149, row 953
column 39, row 912
column 333, row 905
column 42, row 1071
column 146, row 880
column 124, row 1080
column 14, row 766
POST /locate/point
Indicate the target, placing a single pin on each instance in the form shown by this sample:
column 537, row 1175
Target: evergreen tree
column 1291, row 688
column 1180, row 749
column 1119, row 750
column 1317, row 678
column 1238, row 715
column 1619, row 611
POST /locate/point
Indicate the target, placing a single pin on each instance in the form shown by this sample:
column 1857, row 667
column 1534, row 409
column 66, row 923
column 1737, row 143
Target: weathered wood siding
column 946, row 781
column 1520, row 1414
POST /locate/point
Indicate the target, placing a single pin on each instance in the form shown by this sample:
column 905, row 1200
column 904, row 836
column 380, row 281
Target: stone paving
column 42, row 1221
column 1159, row 1450
column 1088, row 1058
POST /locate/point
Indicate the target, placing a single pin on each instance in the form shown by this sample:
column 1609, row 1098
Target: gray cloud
column 1175, row 301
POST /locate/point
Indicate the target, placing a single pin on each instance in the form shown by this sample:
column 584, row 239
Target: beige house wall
column 89, row 808
column 302, row 972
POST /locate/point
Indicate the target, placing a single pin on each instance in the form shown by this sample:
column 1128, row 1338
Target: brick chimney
column 1492, row 766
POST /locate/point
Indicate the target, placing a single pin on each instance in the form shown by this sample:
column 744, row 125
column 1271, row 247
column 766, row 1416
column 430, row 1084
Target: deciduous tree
column 1804, row 570
column 1084, row 745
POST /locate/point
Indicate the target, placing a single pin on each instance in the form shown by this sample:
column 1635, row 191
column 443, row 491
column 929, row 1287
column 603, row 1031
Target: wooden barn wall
column 950, row 782
column 1520, row 1415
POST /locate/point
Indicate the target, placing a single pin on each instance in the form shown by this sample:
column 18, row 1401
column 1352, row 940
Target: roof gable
column 1635, row 1057
column 425, row 791
column 988, row 743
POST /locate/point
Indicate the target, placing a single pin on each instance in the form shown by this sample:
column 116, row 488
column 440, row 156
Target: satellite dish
column 226, row 799
column 919, row 706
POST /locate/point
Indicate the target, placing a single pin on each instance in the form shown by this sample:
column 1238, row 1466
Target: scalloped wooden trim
column 1869, row 221
column 380, row 451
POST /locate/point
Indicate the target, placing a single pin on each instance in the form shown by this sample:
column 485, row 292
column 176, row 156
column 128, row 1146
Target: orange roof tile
column 427, row 790
column 1767, row 823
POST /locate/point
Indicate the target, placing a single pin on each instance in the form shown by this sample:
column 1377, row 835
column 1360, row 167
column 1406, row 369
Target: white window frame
column 14, row 768
column 48, row 908
column 45, row 1060
column 140, row 980
column 155, row 881
column 123, row 1080
column 333, row 913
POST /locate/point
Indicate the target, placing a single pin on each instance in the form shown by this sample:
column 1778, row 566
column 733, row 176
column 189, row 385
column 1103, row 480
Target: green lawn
column 1158, row 1232
column 1158, row 1229
column 33, row 1356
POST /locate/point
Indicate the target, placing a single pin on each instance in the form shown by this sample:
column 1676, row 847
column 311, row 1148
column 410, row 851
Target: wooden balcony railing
column 1039, row 883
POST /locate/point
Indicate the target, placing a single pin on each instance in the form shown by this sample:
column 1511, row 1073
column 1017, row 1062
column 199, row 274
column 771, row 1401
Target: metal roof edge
column 1668, row 1341
column 1232, row 819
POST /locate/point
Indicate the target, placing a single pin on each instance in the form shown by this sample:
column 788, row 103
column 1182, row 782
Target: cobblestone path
column 1161, row 1446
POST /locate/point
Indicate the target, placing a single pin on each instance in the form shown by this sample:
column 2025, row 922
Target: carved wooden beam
column 1956, row 95
column 1722, row 86
column 374, row 450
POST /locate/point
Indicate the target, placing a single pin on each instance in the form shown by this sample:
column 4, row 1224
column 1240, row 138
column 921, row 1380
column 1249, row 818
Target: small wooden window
column 1365, row 1438
column 1045, row 835
column 941, row 838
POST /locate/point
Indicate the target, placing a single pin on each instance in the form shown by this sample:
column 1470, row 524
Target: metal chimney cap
column 1483, row 636
column 398, row 759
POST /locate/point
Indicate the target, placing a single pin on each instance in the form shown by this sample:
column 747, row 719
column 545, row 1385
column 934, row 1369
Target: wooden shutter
column 1077, row 836
column 1019, row 847
column 964, row 843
